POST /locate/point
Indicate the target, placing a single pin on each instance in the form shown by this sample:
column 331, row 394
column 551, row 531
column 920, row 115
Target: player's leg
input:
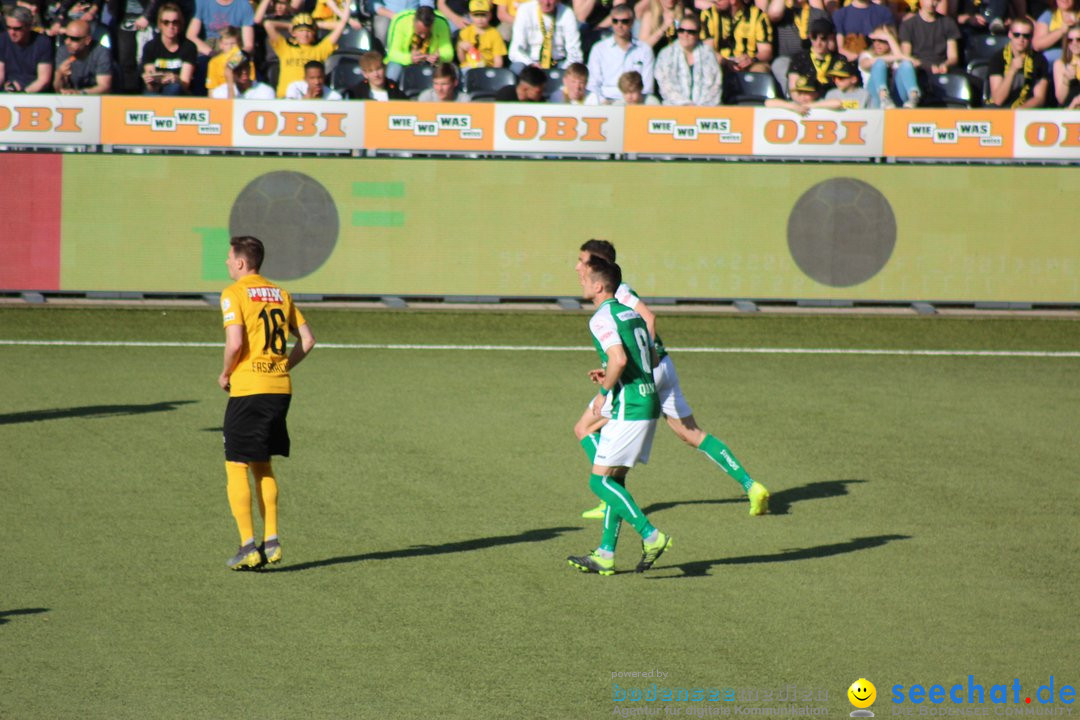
column 242, row 433
column 587, row 431
column 266, row 489
column 680, row 418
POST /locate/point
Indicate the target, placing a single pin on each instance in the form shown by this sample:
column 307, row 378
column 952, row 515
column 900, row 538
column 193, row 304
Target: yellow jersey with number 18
column 268, row 316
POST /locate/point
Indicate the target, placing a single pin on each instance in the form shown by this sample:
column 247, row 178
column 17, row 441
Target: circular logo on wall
column 841, row 232
column 294, row 216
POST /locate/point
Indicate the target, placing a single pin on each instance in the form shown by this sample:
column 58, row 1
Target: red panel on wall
column 30, row 189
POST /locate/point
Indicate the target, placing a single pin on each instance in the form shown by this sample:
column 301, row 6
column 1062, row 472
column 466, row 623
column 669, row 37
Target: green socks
column 589, row 443
column 612, row 523
column 718, row 452
column 619, row 500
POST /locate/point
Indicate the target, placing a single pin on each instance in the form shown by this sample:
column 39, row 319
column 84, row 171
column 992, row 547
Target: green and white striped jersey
column 626, row 295
column 634, row 396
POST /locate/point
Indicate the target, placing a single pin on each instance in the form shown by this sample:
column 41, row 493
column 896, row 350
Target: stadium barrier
column 486, row 128
column 439, row 227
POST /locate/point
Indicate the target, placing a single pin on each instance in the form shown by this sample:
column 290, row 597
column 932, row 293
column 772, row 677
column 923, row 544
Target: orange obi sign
column 972, row 134
column 821, row 133
column 448, row 127
column 298, row 124
column 1047, row 135
column 659, row 130
column 50, row 119
column 557, row 128
column 173, row 122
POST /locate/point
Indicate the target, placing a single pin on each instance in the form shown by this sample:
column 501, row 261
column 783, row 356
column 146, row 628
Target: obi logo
column 1050, row 134
column 40, row 119
column 200, row 119
column 981, row 130
column 558, row 128
column 460, row 124
column 295, row 124
column 703, row 127
column 806, row 131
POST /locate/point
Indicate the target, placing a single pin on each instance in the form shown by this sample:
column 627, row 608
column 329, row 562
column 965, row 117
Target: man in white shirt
column 313, row 86
column 545, row 34
column 618, row 54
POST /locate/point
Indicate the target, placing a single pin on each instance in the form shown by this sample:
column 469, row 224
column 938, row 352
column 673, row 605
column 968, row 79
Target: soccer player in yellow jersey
column 259, row 317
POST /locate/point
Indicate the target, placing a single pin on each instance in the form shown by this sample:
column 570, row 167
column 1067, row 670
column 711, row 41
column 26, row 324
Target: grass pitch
column 926, row 525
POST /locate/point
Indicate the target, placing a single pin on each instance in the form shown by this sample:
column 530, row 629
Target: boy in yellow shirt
column 293, row 54
column 479, row 44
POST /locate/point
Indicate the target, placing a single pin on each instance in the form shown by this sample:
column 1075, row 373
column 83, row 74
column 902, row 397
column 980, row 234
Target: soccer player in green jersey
column 626, row 352
column 676, row 410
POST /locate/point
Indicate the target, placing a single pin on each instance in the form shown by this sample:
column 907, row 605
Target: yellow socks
column 267, row 490
column 240, row 499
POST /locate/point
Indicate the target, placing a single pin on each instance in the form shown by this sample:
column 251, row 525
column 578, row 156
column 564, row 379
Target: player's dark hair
column 249, row 248
column 609, row 273
column 314, row 64
column 532, row 75
column 425, row 15
column 600, row 248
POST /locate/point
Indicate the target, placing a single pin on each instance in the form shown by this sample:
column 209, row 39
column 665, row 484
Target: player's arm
column 234, row 345
column 616, row 363
column 301, row 349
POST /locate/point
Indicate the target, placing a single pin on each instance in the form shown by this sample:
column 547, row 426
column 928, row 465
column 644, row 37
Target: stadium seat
column 343, row 71
column 754, row 88
column 951, row 90
column 483, row 83
column 415, row 79
column 358, row 42
column 554, row 81
column 979, row 72
column 982, row 47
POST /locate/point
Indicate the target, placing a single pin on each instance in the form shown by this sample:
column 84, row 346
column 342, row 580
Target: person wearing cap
column 805, row 94
column 479, row 44
column 25, row 56
column 846, row 77
column 618, row 54
column 417, row 36
column 855, row 22
column 294, row 54
column 814, row 62
column 213, row 16
column 882, row 57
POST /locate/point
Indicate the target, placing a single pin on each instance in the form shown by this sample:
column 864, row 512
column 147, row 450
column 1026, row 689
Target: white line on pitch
column 560, row 348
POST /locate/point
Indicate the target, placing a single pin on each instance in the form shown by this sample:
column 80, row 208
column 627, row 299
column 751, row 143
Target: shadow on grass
column 91, row 411
column 661, row 506
column 5, row 614
column 529, row 536
column 700, row 568
column 781, row 501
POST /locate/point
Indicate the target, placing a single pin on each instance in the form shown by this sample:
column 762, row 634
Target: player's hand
column 598, row 404
column 597, row 375
column 223, row 382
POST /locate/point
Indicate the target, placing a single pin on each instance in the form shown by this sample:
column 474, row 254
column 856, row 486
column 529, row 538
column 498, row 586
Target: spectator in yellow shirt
column 294, row 54
column 479, row 44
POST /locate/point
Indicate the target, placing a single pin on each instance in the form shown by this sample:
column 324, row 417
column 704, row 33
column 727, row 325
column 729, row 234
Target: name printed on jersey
column 627, row 315
column 265, row 294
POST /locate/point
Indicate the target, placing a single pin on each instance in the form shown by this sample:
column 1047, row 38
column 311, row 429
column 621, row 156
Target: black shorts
column 255, row 427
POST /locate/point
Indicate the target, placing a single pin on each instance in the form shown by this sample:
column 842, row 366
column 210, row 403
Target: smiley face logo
column 862, row 693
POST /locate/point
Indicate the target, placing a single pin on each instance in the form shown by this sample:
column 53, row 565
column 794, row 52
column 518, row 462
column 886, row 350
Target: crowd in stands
column 794, row 54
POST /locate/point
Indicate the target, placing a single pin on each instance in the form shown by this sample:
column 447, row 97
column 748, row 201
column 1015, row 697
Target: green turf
column 927, row 524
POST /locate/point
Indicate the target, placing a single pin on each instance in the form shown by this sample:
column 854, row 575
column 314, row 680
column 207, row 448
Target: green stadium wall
column 342, row 226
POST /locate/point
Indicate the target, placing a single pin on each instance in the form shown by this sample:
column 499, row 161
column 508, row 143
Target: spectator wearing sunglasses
column 687, row 72
column 168, row 61
column 25, row 56
column 815, row 62
column 621, row 53
column 83, row 67
column 1018, row 74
